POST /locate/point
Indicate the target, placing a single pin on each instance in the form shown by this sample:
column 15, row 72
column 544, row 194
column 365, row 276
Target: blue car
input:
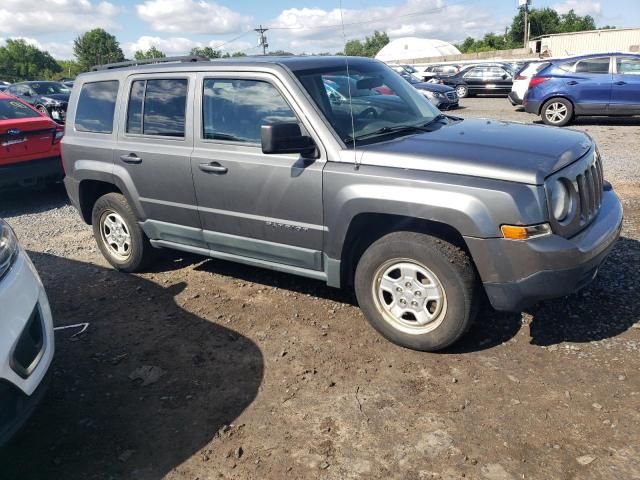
column 598, row 84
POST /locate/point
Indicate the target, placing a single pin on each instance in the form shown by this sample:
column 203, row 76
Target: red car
column 29, row 145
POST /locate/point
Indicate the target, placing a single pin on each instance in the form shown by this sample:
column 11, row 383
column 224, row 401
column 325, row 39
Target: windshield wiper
column 386, row 131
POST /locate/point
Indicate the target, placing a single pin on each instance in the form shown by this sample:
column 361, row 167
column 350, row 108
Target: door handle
column 572, row 82
column 621, row 83
column 213, row 167
column 130, row 158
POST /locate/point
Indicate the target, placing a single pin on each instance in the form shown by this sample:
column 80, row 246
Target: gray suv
column 254, row 160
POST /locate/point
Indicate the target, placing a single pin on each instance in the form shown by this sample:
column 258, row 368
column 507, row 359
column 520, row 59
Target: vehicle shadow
column 96, row 422
column 601, row 121
column 609, row 306
column 30, row 200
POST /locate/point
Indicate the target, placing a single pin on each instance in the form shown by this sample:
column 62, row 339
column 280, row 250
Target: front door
column 266, row 207
column 625, row 90
column 153, row 155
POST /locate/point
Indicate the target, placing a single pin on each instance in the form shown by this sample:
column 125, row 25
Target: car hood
column 433, row 87
column 61, row 97
column 508, row 151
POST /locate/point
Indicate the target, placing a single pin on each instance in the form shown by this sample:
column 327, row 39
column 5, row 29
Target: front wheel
column 557, row 112
column 119, row 237
column 418, row 291
column 462, row 91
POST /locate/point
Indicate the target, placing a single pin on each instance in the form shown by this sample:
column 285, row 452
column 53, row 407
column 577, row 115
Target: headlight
column 50, row 101
column 428, row 94
column 560, row 199
column 8, row 247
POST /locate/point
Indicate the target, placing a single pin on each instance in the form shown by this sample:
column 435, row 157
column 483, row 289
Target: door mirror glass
column 286, row 138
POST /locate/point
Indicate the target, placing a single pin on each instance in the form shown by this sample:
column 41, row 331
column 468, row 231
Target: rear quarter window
column 13, row 109
column 96, row 106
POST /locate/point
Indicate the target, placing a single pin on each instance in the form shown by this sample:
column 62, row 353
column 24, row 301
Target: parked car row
column 49, row 98
column 486, row 78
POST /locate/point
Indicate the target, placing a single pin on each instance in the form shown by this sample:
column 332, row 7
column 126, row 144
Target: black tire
column 140, row 252
column 451, row 267
column 557, row 105
column 462, row 91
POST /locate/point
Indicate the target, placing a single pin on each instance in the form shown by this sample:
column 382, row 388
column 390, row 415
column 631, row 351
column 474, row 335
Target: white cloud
column 190, row 16
column 313, row 29
column 581, row 7
column 180, row 45
column 33, row 17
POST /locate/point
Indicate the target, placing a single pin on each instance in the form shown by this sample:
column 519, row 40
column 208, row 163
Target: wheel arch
column 555, row 96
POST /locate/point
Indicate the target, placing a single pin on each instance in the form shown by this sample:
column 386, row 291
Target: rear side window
column 593, row 65
column 12, row 109
column 96, row 105
column 157, row 107
column 628, row 65
column 235, row 110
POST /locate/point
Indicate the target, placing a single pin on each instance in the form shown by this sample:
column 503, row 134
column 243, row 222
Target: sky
column 301, row 26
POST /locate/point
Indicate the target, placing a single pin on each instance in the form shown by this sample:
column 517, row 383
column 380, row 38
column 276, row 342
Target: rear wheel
column 119, row 237
column 418, row 291
column 462, row 91
column 557, row 112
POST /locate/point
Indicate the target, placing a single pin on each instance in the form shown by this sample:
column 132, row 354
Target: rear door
column 590, row 86
column 497, row 80
column 153, row 152
column 625, row 90
column 266, row 207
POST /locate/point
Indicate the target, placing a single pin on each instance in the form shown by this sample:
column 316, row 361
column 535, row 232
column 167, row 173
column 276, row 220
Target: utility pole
column 262, row 38
column 526, row 22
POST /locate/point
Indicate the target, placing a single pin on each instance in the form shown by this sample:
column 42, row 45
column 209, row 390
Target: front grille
column 452, row 96
column 585, row 181
column 590, row 186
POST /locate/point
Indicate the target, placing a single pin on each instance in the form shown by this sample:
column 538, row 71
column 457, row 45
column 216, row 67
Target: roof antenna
column 356, row 164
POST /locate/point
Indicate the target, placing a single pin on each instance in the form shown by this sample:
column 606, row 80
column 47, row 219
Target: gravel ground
column 203, row 369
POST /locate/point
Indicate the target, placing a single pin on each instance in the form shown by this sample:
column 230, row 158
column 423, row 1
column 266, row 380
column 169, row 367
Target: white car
column 521, row 81
column 26, row 335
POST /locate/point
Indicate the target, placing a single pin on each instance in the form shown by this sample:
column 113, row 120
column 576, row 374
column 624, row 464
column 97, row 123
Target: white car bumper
column 26, row 343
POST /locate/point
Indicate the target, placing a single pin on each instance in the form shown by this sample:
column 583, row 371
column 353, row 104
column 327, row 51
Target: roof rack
column 132, row 63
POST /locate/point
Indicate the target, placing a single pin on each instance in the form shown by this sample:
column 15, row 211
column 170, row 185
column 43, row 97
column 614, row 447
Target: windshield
column 49, row 88
column 381, row 100
column 12, row 109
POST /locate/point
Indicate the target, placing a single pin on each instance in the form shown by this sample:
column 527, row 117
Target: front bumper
column 514, row 98
column 517, row 274
column 26, row 344
column 31, row 171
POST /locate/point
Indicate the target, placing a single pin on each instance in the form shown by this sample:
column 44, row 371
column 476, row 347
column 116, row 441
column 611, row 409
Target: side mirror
column 26, row 94
column 505, row 76
column 286, row 138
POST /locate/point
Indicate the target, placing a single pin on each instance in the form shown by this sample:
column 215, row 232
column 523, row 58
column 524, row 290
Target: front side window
column 96, row 105
column 475, row 73
column 235, row 110
column 593, row 65
column 13, row 109
column 381, row 101
column 157, row 107
column 628, row 65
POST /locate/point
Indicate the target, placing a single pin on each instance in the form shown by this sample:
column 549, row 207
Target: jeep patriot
column 260, row 161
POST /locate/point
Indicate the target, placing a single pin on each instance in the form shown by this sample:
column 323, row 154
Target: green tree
column 153, row 52
column 571, row 22
column 206, row 52
column 97, row 47
column 69, row 69
column 367, row 48
column 20, row 60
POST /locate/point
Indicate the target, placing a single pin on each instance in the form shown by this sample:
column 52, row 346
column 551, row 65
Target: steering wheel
column 368, row 112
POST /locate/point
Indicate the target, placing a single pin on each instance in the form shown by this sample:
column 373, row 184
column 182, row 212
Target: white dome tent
column 410, row 48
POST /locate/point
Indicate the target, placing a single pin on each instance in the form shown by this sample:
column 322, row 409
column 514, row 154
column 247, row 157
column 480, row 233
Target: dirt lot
column 260, row 375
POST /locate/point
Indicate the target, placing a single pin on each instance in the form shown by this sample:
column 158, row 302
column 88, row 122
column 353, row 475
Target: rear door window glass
column 593, row 65
column 157, row 107
column 96, row 105
column 628, row 65
column 13, row 109
column 235, row 110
